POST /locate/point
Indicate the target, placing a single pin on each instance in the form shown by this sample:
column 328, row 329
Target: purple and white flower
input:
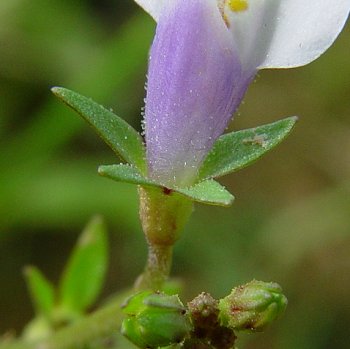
column 205, row 54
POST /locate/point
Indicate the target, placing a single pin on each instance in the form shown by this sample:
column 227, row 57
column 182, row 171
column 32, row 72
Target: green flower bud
column 252, row 307
column 131, row 330
column 155, row 320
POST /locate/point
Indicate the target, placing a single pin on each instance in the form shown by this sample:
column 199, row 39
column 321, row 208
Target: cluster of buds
column 158, row 320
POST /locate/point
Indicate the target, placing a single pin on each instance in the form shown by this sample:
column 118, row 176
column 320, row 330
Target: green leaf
column 207, row 192
column 125, row 173
column 41, row 291
column 236, row 150
column 85, row 271
column 117, row 133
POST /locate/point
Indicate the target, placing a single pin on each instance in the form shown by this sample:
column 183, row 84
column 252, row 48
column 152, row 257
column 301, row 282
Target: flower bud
column 252, row 307
column 155, row 320
column 204, row 311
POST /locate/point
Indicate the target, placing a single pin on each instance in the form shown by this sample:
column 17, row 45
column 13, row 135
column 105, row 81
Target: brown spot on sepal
column 167, row 191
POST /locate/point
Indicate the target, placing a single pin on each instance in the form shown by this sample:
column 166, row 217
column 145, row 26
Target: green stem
column 157, row 268
column 102, row 324
column 163, row 214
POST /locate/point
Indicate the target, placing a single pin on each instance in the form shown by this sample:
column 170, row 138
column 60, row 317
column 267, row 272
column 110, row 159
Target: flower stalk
column 157, row 269
column 163, row 214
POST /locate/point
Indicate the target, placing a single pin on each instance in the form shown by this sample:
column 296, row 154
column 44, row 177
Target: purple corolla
column 204, row 55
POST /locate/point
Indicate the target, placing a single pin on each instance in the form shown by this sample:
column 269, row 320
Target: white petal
column 286, row 33
column 250, row 33
column 153, row 7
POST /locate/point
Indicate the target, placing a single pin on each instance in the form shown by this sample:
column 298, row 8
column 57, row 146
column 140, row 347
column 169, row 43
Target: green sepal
column 131, row 330
column 236, row 150
column 161, row 328
column 124, row 140
column 155, row 320
column 146, row 299
column 42, row 292
column 207, row 192
column 135, row 303
column 125, row 173
column 84, row 274
column 172, row 302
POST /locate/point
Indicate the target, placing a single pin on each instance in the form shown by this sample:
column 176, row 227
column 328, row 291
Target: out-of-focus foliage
column 83, row 275
column 290, row 222
column 79, row 286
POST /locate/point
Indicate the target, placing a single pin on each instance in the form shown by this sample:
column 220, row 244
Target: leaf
column 83, row 276
column 206, row 192
column 125, row 141
column 41, row 291
column 125, row 173
column 236, row 150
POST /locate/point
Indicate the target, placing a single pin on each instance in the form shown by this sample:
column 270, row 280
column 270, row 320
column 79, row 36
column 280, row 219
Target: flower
column 205, row 54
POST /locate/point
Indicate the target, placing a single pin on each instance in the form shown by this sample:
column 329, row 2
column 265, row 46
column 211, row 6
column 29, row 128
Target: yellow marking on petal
column 238, row 5
column 227, row 22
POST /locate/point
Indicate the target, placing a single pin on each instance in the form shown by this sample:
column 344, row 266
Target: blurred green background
column 291, row 219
